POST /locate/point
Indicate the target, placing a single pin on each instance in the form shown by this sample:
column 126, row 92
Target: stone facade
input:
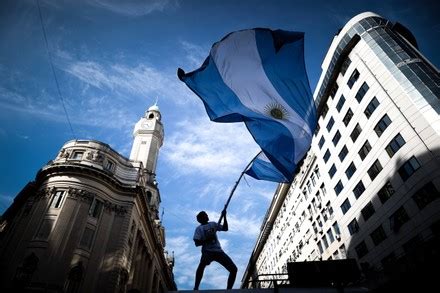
column 88, row 223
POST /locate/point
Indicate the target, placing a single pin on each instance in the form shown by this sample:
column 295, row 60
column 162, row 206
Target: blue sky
column 112, row 60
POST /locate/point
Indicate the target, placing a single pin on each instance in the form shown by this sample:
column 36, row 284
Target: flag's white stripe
column 239, row 64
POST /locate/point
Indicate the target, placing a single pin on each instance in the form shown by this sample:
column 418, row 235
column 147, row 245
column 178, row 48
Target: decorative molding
column 45, row 192
column 117, row 209
column 80, row 194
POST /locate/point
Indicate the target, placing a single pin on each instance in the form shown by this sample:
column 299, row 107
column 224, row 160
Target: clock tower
column 148, row 138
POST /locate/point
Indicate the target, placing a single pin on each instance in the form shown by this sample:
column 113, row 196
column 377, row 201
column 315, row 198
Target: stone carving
column 98, row 157
column 80, row 194
column 45, row 192
column 63, row 154
column 90, row 155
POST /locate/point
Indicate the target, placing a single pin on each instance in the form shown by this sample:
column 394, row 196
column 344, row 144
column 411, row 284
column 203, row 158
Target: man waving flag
column 258, row 76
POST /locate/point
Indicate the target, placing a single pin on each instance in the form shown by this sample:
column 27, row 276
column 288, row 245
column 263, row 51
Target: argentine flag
column 258, row 76
column 262, row 169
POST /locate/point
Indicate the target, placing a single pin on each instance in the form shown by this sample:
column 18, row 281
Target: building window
column 330, row 124
column 325, row 242
column 95, row 208
column 338, row 188
column 385, row 192
column 374, row 170
column 368, row 211
column 395, row 144
column 332, row 171
column 399, row 218
column 350, row 170
column 374, row 103
column 336, row 229
column 389, row 260
column 326, row 156
column 353, row 227
column 334, row 90
column 57, row 199
column 345, row 206
column 330, row 235
column 407, row 169
column 365, row 149
column 347, row 117
column 378, row 235
column 320, row 248
column 345, row 65
column 426, row 195
column 361, row 92
column 329, row 209
column 313, row 179
column 361, row 249
column 382, row 125
column 336, row 138
column 77, row 155
column 323, row 190
column 321, row 142
column 74, row 279
column 318, row 127
column 45, row 228
column 109, row 165
column 355, row 133
column 340, row 103
column 343, row 153
column 87, row 238
column 358, row 189
column 353, row 78
column 324, row 111
column 413, row 244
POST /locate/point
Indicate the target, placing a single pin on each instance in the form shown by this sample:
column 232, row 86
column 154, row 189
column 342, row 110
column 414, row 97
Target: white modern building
column 369, row 186
column 90, row 221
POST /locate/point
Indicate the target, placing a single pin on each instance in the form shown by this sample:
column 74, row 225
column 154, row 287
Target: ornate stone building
column 90, row 221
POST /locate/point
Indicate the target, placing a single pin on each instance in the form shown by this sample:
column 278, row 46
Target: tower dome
column 154, row 108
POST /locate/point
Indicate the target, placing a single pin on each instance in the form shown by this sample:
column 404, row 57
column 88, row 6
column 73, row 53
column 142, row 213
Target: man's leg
column 205, row 260
column 227, row 262
column 199, row 274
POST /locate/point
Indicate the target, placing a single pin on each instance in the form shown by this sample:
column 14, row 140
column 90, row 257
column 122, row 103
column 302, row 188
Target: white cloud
column 135, row 7
column 124, row 81
column 212, row 149
column 195, row 54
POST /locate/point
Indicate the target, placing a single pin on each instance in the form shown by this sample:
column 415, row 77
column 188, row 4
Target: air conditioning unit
column 338, row 237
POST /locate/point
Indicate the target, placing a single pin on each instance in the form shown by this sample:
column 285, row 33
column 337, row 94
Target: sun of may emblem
column 276, row 111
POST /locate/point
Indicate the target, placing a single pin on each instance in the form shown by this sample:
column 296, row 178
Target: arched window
column 74, row 278
column 149, row 196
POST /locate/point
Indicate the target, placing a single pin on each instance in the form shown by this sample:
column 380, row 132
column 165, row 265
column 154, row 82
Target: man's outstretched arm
column 225, row 221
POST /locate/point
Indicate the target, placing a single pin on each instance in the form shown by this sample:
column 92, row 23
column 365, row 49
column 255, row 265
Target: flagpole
column 236, row 184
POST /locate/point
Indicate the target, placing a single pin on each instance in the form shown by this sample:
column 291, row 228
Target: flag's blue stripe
column 264, row 170
column 277, row 143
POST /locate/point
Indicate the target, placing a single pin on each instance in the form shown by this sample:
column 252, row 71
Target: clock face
column 146, row 124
